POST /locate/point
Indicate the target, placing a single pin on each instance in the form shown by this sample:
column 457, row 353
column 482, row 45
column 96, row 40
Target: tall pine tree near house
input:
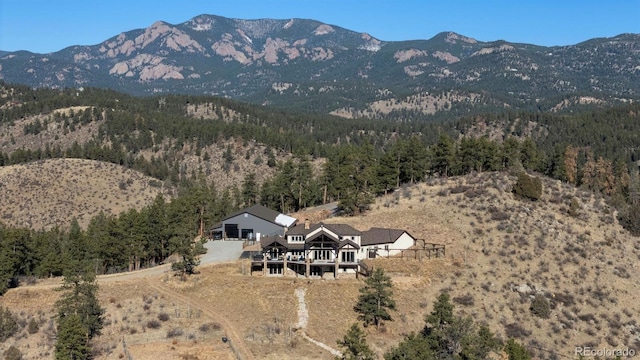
column 79, row 318
column 446, row 336
column 376, row 299
column 250, row 190
column 355, row 345
column 72, row 342
column 80, row 298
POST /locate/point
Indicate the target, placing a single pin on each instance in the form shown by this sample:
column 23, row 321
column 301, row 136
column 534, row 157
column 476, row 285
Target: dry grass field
column 501, row 252
column 49, row 193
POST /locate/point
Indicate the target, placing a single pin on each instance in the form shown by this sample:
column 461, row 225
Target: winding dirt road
column 235, row 340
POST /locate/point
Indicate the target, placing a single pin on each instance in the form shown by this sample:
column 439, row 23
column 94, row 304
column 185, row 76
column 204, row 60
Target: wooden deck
column 299, row 266
column 421, row 250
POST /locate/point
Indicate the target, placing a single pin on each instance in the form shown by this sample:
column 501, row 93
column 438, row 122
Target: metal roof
column 263, row 213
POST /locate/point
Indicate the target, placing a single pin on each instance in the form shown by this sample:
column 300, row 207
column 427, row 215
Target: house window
column 275, row 253
column 275, row 270
column 322, row 255
column 296, row 238
column 247, row 234
column 348, row 256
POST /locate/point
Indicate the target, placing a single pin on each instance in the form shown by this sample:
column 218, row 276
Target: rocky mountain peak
column 328, row 68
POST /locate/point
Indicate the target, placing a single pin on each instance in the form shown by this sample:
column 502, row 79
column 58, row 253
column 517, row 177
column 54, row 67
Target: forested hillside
column 289, row 161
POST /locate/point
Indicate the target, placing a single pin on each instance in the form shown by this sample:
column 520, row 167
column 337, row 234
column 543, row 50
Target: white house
column 385, row 242
column 318, row 249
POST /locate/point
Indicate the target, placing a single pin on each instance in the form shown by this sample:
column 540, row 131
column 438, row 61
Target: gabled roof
column 279, row 241
column 267, row 241
column 344, row 243
column 263, row 213
column 338, row 229
column 377, row 236
column 342, row 229
column 319, row 234
column 299, row 230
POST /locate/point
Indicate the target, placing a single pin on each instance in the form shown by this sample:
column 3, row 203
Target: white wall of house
column 355, row 238
column 362, row 253
column 405, row 241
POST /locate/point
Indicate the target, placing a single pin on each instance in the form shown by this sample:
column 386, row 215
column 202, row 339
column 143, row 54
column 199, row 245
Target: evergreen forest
column 596, row 149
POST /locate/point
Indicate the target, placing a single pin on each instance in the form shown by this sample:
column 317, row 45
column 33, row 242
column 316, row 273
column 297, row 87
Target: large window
column 275, row 253
column 322, row 255
column 348, row 256
column 296, row 238
column 275, row 269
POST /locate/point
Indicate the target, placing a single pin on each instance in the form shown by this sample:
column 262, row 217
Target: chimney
column 307, row 224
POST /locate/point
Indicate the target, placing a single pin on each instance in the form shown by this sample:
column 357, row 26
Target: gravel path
column 217, row 252
column 303, row 319
column 303, row 314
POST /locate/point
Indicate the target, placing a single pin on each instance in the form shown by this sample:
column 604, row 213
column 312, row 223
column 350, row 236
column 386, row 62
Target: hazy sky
column 50, row 25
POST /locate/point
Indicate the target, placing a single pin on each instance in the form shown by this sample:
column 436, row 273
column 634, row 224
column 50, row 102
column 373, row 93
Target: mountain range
column 309, row 65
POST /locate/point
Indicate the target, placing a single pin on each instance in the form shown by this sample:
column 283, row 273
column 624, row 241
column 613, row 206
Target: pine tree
column 444, row 156
column 571, row 164
column 515, row 351
column 531, row 156
column 376, row 299
column 510, row 153
column 443, row 331
column 414, row 346
column 389, row 169
column 485, row 343
column 249, row 190
column 8, row 324
column 228, row 159
column 189, row 262
column 413, row 160
column 7, row 267
column 446, row 336
column 355, row 345
column 72, row 341
column 442, row 313
column 80, row 299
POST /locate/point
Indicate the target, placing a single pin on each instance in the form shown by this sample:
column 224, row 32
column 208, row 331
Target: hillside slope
column 501, row 252
column 49, row 193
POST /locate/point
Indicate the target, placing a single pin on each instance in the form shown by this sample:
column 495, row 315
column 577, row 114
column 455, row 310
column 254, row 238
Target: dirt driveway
column 217, row 252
